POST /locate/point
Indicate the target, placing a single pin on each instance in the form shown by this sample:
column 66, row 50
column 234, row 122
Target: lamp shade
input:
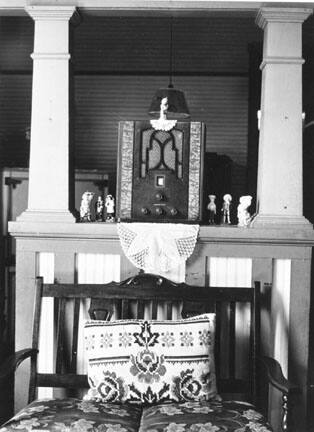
column 177, row 106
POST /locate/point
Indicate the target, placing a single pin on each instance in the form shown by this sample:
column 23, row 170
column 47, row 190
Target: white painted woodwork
column 45, row 263
column 279, row 190
column 234, row 272
column 230, row 272
column 280, row 307
column 48, row 197
column 143, row 7
column 219, row 251
column 93, row 268
column 280, row 326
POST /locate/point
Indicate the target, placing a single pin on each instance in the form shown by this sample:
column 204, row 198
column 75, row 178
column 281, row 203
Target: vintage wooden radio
column 160, row 172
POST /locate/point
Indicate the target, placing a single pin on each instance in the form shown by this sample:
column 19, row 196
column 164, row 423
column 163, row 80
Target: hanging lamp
column 177, row 106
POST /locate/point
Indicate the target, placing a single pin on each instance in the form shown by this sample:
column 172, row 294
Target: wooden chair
column 131, row 295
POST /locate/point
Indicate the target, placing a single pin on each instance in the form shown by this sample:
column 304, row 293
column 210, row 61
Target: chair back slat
column 136, row 297
column 169, row 311
column 217, row 337
column 68, row 381
column 255, row 340
column 154, row 309
column 140, row 309
column 76, row 315
column 60, row 334
column 124, row 309
column 232, row 343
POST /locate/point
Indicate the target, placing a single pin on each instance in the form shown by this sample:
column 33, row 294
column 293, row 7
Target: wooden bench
column 130, row 298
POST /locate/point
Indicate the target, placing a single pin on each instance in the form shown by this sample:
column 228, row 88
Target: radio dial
column 159, row 196
column 144, row 210
column 159, row 211
column 173, row 211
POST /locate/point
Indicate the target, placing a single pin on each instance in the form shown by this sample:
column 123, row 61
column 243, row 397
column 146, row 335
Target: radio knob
column 173, row 211
column 144, row 210
column 159, row 211
column 159, row 196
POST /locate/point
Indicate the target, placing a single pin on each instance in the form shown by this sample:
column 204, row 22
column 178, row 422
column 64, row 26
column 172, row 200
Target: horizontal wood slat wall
column 15, row 115
column 102, row 101
column 210, row 55
column 215, row 44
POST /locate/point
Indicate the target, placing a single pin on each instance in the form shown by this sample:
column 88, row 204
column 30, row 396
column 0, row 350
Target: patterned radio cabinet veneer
column 160, row 172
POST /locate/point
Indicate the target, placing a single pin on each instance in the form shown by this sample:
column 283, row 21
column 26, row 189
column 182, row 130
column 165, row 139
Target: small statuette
column 99, row 209
column 225, row 219
column 85, row 211
column 109, row 203
column 212, row 209
column 244, row 216
column 162, row 123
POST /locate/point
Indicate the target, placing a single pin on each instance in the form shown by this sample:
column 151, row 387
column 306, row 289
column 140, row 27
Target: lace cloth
column 157, row 247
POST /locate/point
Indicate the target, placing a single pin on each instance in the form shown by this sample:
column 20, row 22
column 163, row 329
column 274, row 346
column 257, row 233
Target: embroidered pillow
column 146, row 362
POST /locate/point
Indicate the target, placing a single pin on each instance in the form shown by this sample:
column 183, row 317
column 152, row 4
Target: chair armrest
column 13, row 361
column 278, row 380
column 276, row 377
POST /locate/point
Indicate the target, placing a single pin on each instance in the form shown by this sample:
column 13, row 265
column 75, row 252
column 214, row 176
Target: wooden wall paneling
column 310, row 413
column 15, row 114
column 64, row 267
column 262, row 271
column 96, row 240
column 17, row 36
column 93, row 268
column 127, row 268
column 215, row 248
column 230, row 271
column 280, row 304
column 196, row 273
column 300, row 334
column 25, row 283
column 200, row 44
column 280, row 317
column 65, row 273
column 220, row 102
column 45, row 264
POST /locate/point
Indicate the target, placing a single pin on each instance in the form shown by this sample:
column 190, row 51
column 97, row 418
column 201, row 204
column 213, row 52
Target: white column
column 48, row 198
column 279, row 189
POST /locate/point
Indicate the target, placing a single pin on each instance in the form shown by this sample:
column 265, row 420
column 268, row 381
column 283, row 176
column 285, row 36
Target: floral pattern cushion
column 148, row 362
column 74, row 415
column 207, row 416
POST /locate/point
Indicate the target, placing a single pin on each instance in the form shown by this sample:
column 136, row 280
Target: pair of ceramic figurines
column 244, row 216
column 85, row 208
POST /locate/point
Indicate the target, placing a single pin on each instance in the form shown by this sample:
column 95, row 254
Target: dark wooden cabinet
column 160, row 172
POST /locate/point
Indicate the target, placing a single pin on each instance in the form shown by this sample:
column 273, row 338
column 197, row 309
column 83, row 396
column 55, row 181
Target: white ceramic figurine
column 109, row 203
column 212, row 209
column 227, row 198
column 99, row 209
column 243, row 214
column 85, row 212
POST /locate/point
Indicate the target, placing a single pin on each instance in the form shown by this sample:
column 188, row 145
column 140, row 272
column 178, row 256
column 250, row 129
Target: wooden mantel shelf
column 213, row 234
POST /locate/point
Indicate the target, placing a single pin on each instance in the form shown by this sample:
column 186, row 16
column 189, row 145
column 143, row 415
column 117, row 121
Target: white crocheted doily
column 157, row 247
